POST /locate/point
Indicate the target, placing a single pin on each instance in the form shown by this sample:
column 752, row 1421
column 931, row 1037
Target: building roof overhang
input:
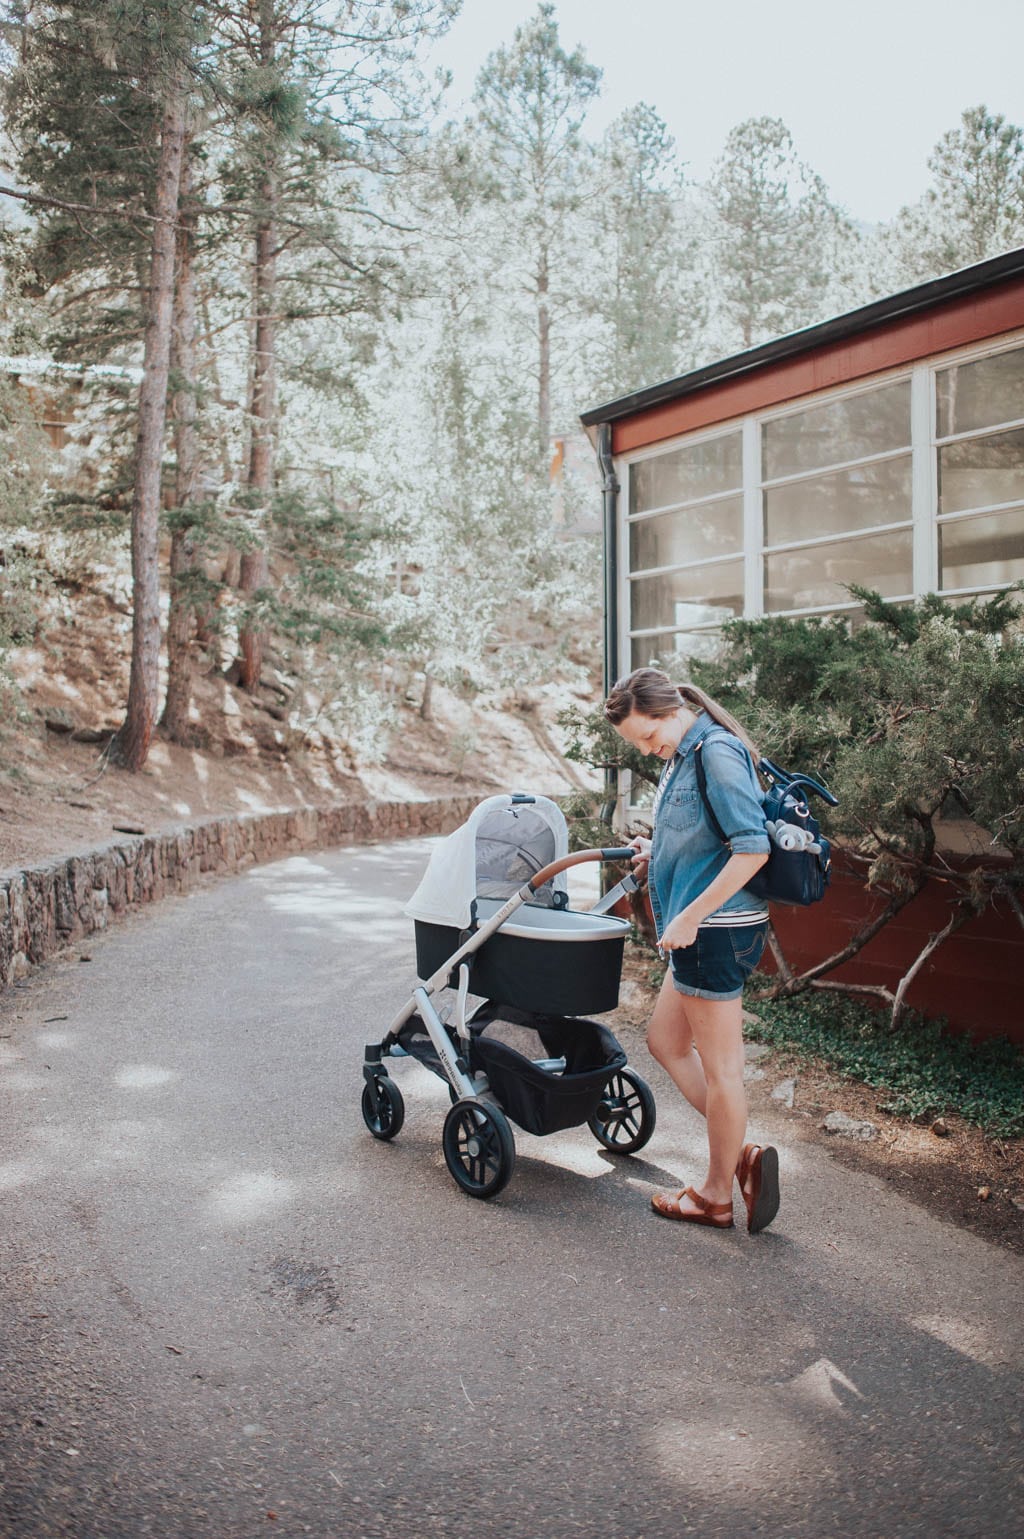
column 963, row 284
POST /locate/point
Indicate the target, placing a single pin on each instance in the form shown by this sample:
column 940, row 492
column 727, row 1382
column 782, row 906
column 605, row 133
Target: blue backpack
column 799, row 867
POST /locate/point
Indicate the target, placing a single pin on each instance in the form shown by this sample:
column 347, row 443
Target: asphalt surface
column 227, row 1311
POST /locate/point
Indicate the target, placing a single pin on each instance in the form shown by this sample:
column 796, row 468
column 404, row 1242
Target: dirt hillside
column 59, row 795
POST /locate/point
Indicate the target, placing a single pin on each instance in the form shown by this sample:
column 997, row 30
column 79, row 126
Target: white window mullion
column 623, row 471
column 753, row 521
column 924, row 501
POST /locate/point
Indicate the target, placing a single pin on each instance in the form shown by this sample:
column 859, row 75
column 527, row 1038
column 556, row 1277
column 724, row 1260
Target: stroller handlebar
column 546, row 873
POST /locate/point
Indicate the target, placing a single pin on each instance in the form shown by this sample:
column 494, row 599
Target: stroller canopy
column 503, row 843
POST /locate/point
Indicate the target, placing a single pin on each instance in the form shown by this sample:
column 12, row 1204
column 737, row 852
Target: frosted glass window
column 977, row 552
column 843, row 500
column 804, row 579
column 980, row 394
column 672, row 648
column 682, row 475
column 693, row 596
column 690, row 534
column 980, row 472
column 873, row 422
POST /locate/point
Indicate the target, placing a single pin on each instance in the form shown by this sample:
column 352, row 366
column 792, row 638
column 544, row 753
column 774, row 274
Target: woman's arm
column 736, row 873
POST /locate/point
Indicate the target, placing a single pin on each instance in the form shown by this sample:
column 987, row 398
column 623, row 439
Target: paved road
column 225, row 1311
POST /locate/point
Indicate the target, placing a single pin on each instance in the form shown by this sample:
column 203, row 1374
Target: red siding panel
column 973, row 979
column 955, row 324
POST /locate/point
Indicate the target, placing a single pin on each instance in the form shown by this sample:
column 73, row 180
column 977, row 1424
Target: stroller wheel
column 624, row 1120
column 479, row 1149
column 384, row 1112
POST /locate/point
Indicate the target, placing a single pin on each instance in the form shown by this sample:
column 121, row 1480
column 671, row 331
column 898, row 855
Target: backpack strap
column 702, row 787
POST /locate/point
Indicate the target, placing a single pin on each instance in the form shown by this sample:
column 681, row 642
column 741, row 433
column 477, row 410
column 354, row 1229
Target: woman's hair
column 650, row 692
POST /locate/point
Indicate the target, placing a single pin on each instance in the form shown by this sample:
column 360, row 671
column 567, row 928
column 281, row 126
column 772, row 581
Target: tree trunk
column 131, row 744
column 263, row 406
column 544, row 359
column 186, row 481
column 260, row 479
column 426, row 704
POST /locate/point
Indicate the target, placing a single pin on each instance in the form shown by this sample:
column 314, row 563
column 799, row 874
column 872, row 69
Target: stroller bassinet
column 491, row 917
column 547, row 957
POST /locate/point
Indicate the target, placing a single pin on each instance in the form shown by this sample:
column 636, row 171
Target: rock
column 840, row 1125
column 940, row 1128
column 92, row 734
column 984, row 1193
column 754, row 1050
column 750, row 1073
column 785, row 1092
column 1018, row 1202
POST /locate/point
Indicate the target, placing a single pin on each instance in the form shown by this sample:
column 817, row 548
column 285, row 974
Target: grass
column 922, row 1069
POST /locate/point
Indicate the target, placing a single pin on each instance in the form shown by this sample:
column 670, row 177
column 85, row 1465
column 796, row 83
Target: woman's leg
column 717, row 1027
column 670, row 1040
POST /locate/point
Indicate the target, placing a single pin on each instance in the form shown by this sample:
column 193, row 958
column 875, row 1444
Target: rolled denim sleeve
column 736, row 795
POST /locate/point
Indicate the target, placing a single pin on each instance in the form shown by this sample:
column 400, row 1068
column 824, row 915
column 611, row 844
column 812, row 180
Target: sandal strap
column 712, row 1209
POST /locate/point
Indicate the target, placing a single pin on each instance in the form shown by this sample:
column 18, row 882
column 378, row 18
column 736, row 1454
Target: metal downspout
column 610, row 492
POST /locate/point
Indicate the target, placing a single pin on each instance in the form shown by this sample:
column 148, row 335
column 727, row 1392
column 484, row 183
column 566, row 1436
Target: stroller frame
column 478, row 1143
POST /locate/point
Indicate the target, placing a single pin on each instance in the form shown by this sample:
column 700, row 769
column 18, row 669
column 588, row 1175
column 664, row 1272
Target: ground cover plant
column 923, row 1071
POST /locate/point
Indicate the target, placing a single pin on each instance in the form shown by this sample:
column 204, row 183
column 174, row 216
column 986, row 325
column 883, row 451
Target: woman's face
column 660, row 735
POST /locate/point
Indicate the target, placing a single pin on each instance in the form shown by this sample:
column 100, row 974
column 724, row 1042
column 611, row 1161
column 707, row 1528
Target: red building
column 884, row 448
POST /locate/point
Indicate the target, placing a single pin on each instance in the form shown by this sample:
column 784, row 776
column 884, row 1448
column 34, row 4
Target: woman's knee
column 668, row 1040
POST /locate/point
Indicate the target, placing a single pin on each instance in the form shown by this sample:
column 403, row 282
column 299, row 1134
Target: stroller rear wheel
column 383, row 1112
column 624, row 1120
column 479, row 1149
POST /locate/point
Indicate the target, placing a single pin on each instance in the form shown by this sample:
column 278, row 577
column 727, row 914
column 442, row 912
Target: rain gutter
column 610, row 495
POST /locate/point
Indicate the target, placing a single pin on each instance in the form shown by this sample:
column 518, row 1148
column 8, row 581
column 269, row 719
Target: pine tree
column 131, row 744
column 99, row 103
column 975, row 206
column 777, row 234
column 644, row 293
column 323, row 99
column 532, row 98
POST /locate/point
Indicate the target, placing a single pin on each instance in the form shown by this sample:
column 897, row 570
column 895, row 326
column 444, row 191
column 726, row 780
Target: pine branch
column 957, row 920
column 125, row 211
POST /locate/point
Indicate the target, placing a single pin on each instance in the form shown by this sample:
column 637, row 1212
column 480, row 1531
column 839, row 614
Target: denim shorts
column 720, row 960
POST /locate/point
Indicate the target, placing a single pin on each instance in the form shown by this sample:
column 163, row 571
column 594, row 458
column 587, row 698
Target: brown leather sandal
column 718, row 1215
column 758, row 1176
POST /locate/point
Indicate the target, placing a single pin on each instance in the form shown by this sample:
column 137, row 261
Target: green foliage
column 593, row 741
column 917, row 709
column 23, row 455
column 921, row 1071
column 322, row 596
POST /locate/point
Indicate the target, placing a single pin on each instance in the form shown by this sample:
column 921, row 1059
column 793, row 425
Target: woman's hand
column 679, row 933
column 642, row 857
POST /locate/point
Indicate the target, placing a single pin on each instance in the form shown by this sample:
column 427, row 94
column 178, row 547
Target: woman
column 712, row 929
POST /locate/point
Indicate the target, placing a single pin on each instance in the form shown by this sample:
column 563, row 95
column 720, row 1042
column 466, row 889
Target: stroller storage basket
column 543, row 959
column 505, row 1041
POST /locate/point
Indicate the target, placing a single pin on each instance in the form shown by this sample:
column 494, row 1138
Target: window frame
column 924, row 519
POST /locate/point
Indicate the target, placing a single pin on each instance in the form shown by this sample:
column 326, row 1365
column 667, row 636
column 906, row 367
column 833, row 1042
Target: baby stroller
column 492, row 919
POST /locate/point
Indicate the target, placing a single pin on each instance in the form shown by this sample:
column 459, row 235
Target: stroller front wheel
column 383, row 1112
column 479, row 1149
column 624, row 1120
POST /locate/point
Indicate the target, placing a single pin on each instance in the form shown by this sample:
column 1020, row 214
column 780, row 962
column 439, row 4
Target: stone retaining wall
column 47, row 907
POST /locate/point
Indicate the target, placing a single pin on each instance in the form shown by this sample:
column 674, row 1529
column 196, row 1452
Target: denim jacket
column 686, row 853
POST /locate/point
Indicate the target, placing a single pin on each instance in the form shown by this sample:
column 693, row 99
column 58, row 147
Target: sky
column 866, row 88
